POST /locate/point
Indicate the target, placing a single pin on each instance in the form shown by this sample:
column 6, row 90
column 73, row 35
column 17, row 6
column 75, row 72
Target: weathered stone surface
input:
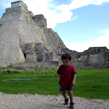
column 44, row 56
column 37, row 52
column 25, row 65
column 39, row 56
column 95, row 50
column 35, row 65
column 47, row 56
column 29, row 48
column 10, row 71
column 106, row 58
column 32, row 57
column 40, row 47
column 40, row 20
column 94, row 57
column 54, row 41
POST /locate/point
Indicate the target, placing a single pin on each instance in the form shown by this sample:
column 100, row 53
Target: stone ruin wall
column 37, row 52
column 94, row 57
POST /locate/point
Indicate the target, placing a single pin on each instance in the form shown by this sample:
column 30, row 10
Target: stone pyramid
column 18, row 27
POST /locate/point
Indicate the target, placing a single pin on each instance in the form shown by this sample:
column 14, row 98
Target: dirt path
column 28, row 101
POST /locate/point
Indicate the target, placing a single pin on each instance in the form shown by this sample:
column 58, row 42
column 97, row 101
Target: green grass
column 92, row 83
column 89, row 83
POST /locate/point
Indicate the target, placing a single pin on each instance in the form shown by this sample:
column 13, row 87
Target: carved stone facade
column 37, row 52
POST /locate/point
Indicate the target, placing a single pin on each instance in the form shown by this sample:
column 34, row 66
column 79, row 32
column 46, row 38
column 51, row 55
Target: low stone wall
column 47, row 64
column 54, row 63
column 92, row 67
column 35, row 65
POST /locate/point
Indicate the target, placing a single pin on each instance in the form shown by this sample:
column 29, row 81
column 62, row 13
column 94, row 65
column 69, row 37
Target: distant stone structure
column 94, row 57
column 25, row 38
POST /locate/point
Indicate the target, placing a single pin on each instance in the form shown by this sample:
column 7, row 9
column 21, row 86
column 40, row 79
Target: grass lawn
column 89, row 83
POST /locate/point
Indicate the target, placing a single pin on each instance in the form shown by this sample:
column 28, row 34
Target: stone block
column 40, row 47
column 8, row 10
column 31, row 57
column 84, row 58
column 20, row 4
column 47, row 56
column 29, row 48
column 40, row 20
column 95, row 59
column 106, row 56
column 39, row 57
column 95, row 50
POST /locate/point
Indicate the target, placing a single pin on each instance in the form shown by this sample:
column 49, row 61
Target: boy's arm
column 58, row 72
column 73, row 80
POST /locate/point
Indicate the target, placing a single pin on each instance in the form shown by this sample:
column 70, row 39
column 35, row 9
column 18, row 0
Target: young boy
column 67, row 78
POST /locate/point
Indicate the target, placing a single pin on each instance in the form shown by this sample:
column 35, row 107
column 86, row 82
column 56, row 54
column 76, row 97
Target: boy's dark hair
column 66, row 56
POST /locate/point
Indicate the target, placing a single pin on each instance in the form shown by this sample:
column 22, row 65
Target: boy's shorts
column 68, row 88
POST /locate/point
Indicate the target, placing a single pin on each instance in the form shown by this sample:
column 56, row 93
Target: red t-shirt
column 66, row 75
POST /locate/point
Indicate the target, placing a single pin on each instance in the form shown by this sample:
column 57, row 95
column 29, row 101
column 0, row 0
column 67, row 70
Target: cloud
column 54, row 14
column 58, row 14
column 101, row 41
column 51, row 12
column 106, row 31
column 74, row 18
column 80, row 3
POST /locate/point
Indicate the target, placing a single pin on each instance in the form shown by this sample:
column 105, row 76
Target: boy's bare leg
column 70, row 95
column 64, row 94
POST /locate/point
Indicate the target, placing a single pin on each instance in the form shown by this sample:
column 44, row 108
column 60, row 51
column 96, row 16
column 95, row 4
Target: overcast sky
column 80, row 23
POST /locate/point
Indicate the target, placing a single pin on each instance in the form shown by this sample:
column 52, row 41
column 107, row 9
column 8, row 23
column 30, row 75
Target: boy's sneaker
column 66, row 101
column 72, row 105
